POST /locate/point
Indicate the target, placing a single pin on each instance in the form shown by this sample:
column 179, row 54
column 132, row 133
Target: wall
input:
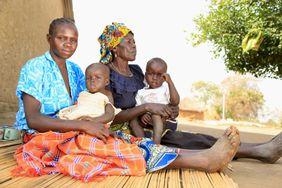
column 23, row 29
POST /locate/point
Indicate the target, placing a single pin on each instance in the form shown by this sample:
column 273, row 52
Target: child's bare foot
column 223, row 151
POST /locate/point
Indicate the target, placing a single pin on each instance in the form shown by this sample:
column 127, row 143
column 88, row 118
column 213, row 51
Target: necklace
column 129, row 74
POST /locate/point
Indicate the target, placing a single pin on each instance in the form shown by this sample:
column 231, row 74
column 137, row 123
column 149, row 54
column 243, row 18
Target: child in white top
column 157, row 91
column 96, row 103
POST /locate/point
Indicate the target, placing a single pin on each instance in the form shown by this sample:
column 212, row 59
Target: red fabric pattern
column 78, row 155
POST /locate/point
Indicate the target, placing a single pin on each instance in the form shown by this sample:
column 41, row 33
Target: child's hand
column 166, row 77
column 174, row 110
column 146, row 118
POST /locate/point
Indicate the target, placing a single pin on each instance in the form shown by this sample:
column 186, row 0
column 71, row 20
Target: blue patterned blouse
column 41, row 78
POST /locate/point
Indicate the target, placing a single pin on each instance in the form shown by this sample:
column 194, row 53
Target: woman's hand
column 96, row 129
column 85, row 118
column 159, row 109
column 113, row 134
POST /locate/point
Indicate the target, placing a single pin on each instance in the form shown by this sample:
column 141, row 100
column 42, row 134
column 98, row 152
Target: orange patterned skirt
column 79, row 155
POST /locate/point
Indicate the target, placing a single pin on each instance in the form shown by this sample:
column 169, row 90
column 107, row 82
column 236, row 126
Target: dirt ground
column 247, row 173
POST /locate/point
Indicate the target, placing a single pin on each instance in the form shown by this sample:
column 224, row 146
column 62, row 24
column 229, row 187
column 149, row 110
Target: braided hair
column 59, row 21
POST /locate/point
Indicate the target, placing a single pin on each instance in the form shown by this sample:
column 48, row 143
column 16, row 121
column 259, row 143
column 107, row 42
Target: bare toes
column 227, row 131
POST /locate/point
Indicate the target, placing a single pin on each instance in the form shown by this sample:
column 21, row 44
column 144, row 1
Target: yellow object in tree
column 252, row 40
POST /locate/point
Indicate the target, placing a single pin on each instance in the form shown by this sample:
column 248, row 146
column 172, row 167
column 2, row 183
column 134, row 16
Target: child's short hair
column 98, row 65
column 156, row 60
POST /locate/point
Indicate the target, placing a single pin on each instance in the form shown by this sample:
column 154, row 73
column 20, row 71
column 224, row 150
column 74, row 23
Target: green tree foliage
column 209, row 95
column 206, row 92
column 229, row 22
column 242, row 97
column 274, row 118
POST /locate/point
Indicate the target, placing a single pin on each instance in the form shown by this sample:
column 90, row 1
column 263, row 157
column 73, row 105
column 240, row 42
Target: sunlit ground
column 185, row 123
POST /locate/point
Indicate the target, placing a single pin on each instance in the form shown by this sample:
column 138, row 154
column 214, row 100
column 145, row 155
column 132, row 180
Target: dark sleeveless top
column 124, row 88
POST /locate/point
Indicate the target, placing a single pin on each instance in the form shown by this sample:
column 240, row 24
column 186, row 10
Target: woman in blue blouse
column 50, row 82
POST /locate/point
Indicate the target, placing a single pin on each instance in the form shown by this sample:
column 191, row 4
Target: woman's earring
column 115, row 55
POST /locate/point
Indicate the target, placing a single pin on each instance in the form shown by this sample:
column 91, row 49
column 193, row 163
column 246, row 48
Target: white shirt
column 157, row 95
column 88, row 104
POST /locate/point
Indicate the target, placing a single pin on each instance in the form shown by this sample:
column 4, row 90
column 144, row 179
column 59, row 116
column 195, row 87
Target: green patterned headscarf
column 112, row 35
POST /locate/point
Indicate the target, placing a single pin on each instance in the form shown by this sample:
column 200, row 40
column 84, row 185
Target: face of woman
column 127, row 48
column 63, row 42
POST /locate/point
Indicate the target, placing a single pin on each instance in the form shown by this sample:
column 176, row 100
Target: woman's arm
column 42, row 123
column 129, row 114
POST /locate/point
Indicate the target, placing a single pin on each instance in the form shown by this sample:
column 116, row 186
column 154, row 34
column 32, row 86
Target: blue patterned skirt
column 156, row 156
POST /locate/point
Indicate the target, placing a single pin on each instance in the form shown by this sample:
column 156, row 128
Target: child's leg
column 158, row 127
column 136, row 128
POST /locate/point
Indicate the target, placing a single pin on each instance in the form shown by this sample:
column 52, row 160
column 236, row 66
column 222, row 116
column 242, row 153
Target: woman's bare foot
column 223, row 151
column 271, row 151
column 213, row 159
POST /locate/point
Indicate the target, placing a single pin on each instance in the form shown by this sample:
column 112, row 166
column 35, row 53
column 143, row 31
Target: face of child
column 63, row 42
column 154, row 74
column 97, row 78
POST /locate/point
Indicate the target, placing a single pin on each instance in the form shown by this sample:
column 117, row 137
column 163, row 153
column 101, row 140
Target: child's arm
column 174, row 96
column 109, row 114
column 107, row 117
